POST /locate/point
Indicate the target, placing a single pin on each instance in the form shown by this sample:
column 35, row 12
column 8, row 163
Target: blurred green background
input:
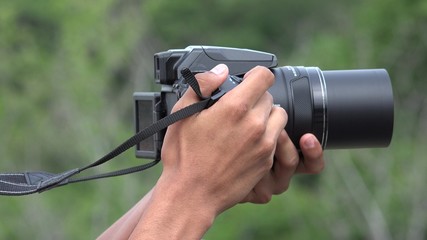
column 68, row 70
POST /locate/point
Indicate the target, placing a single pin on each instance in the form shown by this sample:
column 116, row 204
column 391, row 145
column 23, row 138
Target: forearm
column 124, row 226
column 175, row 211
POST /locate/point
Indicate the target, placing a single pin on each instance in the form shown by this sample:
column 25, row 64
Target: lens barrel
column 342, row 108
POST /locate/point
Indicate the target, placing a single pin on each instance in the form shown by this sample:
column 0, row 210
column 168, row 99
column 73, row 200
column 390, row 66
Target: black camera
column 342, row 108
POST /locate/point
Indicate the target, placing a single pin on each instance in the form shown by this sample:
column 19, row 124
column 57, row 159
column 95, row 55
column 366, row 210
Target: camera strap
column 25, row 183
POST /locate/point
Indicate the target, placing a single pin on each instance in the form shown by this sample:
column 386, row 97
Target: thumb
column 211, row 80
column 208, row 81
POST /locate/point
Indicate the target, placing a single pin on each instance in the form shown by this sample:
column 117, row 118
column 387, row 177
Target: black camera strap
column 15, row 184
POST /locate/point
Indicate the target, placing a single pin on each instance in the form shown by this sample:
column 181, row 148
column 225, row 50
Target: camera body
column 152, row 106
column 342, row 108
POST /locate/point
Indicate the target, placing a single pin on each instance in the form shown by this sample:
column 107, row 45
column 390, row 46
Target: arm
column 218, row 158
column 122, row 228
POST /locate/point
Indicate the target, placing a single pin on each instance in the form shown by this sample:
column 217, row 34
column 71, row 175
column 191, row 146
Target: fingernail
column 219, row 69
column 309, row 143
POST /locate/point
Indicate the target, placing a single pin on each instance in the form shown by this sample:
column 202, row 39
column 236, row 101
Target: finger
column 313, row 161
column 255, row 84
column 208, row 81
column 276, row 124
column 277, row 179
column 263, row 108
column 261, row 192
column 275, row 127
column 285, row 164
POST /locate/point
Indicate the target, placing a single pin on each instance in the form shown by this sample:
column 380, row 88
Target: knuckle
column 292, row 162
column 281, row 189
column 237, row 109
column 258, row 128
column 264, row 198
column 267, row 164
column 267, row 146
column 261, row 196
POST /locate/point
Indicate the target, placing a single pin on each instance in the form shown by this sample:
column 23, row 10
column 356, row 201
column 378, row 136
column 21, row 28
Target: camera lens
column 342, row 108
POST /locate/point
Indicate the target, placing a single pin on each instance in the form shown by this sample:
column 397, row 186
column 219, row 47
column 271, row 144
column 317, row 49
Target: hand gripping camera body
column 342, row 108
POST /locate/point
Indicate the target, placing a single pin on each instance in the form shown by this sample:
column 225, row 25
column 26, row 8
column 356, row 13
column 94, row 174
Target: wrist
column 176, row 211
column 186, row 197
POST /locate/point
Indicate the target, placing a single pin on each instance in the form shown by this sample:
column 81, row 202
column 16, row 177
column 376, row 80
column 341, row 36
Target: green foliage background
column 68, row 70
